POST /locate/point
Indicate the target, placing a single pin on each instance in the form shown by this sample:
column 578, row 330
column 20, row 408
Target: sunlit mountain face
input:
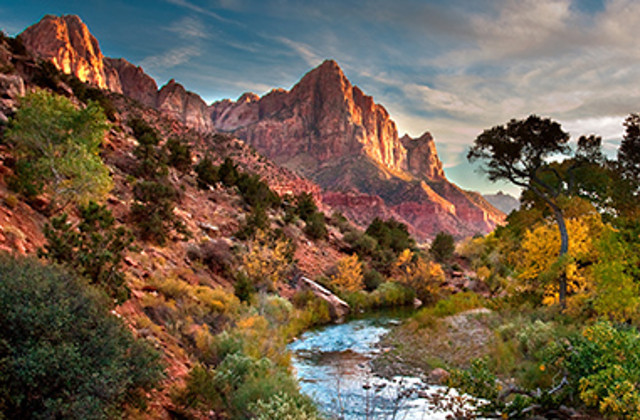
column 446, row 67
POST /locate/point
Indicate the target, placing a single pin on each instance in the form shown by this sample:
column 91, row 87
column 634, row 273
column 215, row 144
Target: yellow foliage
column 423, row 276
column 540, row 248
column 267, row 261
column 349, row 277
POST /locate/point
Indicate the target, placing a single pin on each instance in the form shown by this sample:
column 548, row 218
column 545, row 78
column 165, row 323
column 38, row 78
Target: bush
column 349, row 275
column 207, row 173
column 390, row 234
column 94, row 248
column 284, row 407
column 361, row 243
column 316, row 228
column 179, row 154
column 57, row 149
column 443, row 247
column 237, row 383
column 152, row 211
column 372, row 279
column 604, row 365
column 62, row 354
column 305, row 206
column 152, row 161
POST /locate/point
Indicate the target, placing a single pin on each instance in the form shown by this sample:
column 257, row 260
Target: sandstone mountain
column 69, row 45
column 328, row 130
column 323, row 128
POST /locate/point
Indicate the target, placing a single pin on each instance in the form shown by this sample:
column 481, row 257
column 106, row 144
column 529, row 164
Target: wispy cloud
column 201, row 10
column 304, row 51
column 170, row 58
column 189, row 28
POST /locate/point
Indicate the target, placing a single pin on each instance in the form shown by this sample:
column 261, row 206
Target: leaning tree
column 518, row 152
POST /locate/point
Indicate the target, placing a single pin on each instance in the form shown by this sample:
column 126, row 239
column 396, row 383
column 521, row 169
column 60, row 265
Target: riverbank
column 421, row 345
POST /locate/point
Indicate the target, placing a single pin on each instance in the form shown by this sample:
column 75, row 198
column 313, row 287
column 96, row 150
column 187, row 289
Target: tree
column 94, row 248
column 517, row 152
column 629, row 151
column 57, row 149
column 442, row 247
column 349, row 277
column 153, row 210
column 268, row 260
column 207, row 173
column 179, row 154
column 62, row 354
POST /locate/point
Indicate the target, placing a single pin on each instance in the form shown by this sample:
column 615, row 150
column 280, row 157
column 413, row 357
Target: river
column 333, row 367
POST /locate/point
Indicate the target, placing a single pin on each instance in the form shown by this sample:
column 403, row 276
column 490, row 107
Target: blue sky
column 450, row 67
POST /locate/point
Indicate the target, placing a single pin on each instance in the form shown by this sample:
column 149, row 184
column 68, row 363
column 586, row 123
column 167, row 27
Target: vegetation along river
column 333, row 366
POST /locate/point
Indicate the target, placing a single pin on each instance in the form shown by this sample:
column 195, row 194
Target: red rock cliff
column 68, row 44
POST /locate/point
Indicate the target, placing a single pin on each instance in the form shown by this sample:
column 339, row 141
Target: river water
column 333, row 367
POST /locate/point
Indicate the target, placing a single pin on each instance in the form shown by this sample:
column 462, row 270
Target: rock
column 133, row 81
column 338, row 308
column 68, row 44
column 422, row 157
column 184, row 106
column 330, row 131
column 439, row 376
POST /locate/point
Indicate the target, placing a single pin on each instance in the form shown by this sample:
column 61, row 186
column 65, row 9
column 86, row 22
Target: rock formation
column 68, row 44
column 323, row 128
column 328, row 130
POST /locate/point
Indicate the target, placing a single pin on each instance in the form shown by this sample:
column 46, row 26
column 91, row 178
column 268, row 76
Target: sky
column 450, row 67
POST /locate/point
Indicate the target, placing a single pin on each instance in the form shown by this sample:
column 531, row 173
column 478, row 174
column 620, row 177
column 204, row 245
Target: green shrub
column 57, row 149
column 179, row 154
column 390, row 234
column 228, row 172
column 372, row 279
column 457, row 303
column 152, row 160
column 62, row 354
column 316, row 228
column 256, row 192
column 305, row 206
column 94, row 248
column 243, row 288
column 361, row 243
column 284, row 407
column 152, row 212
column 604, row 366
column 237, row 383
column 207, row 173
column 443, row 247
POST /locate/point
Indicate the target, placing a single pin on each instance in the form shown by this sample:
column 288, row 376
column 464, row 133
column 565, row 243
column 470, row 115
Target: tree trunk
column 564, row 248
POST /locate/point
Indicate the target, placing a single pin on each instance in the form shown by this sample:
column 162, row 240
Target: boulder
column 338, row 308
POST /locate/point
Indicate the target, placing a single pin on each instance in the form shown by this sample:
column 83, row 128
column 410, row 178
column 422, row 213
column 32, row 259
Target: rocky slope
column 323, row 128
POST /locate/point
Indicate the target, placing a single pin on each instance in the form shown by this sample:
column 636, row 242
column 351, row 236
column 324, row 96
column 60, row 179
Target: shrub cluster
column 62, row 354
column 155, row 197
column 94, row 248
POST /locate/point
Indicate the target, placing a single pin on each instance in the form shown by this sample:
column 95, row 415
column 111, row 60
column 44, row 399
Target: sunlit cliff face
column 68, row 44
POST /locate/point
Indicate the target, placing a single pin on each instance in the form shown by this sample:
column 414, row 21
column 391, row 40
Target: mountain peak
column 66, row 41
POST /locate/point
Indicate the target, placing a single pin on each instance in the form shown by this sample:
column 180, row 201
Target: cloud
column 304, row 51
column 189, row 28
column 170, row 58
column 201, row 10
